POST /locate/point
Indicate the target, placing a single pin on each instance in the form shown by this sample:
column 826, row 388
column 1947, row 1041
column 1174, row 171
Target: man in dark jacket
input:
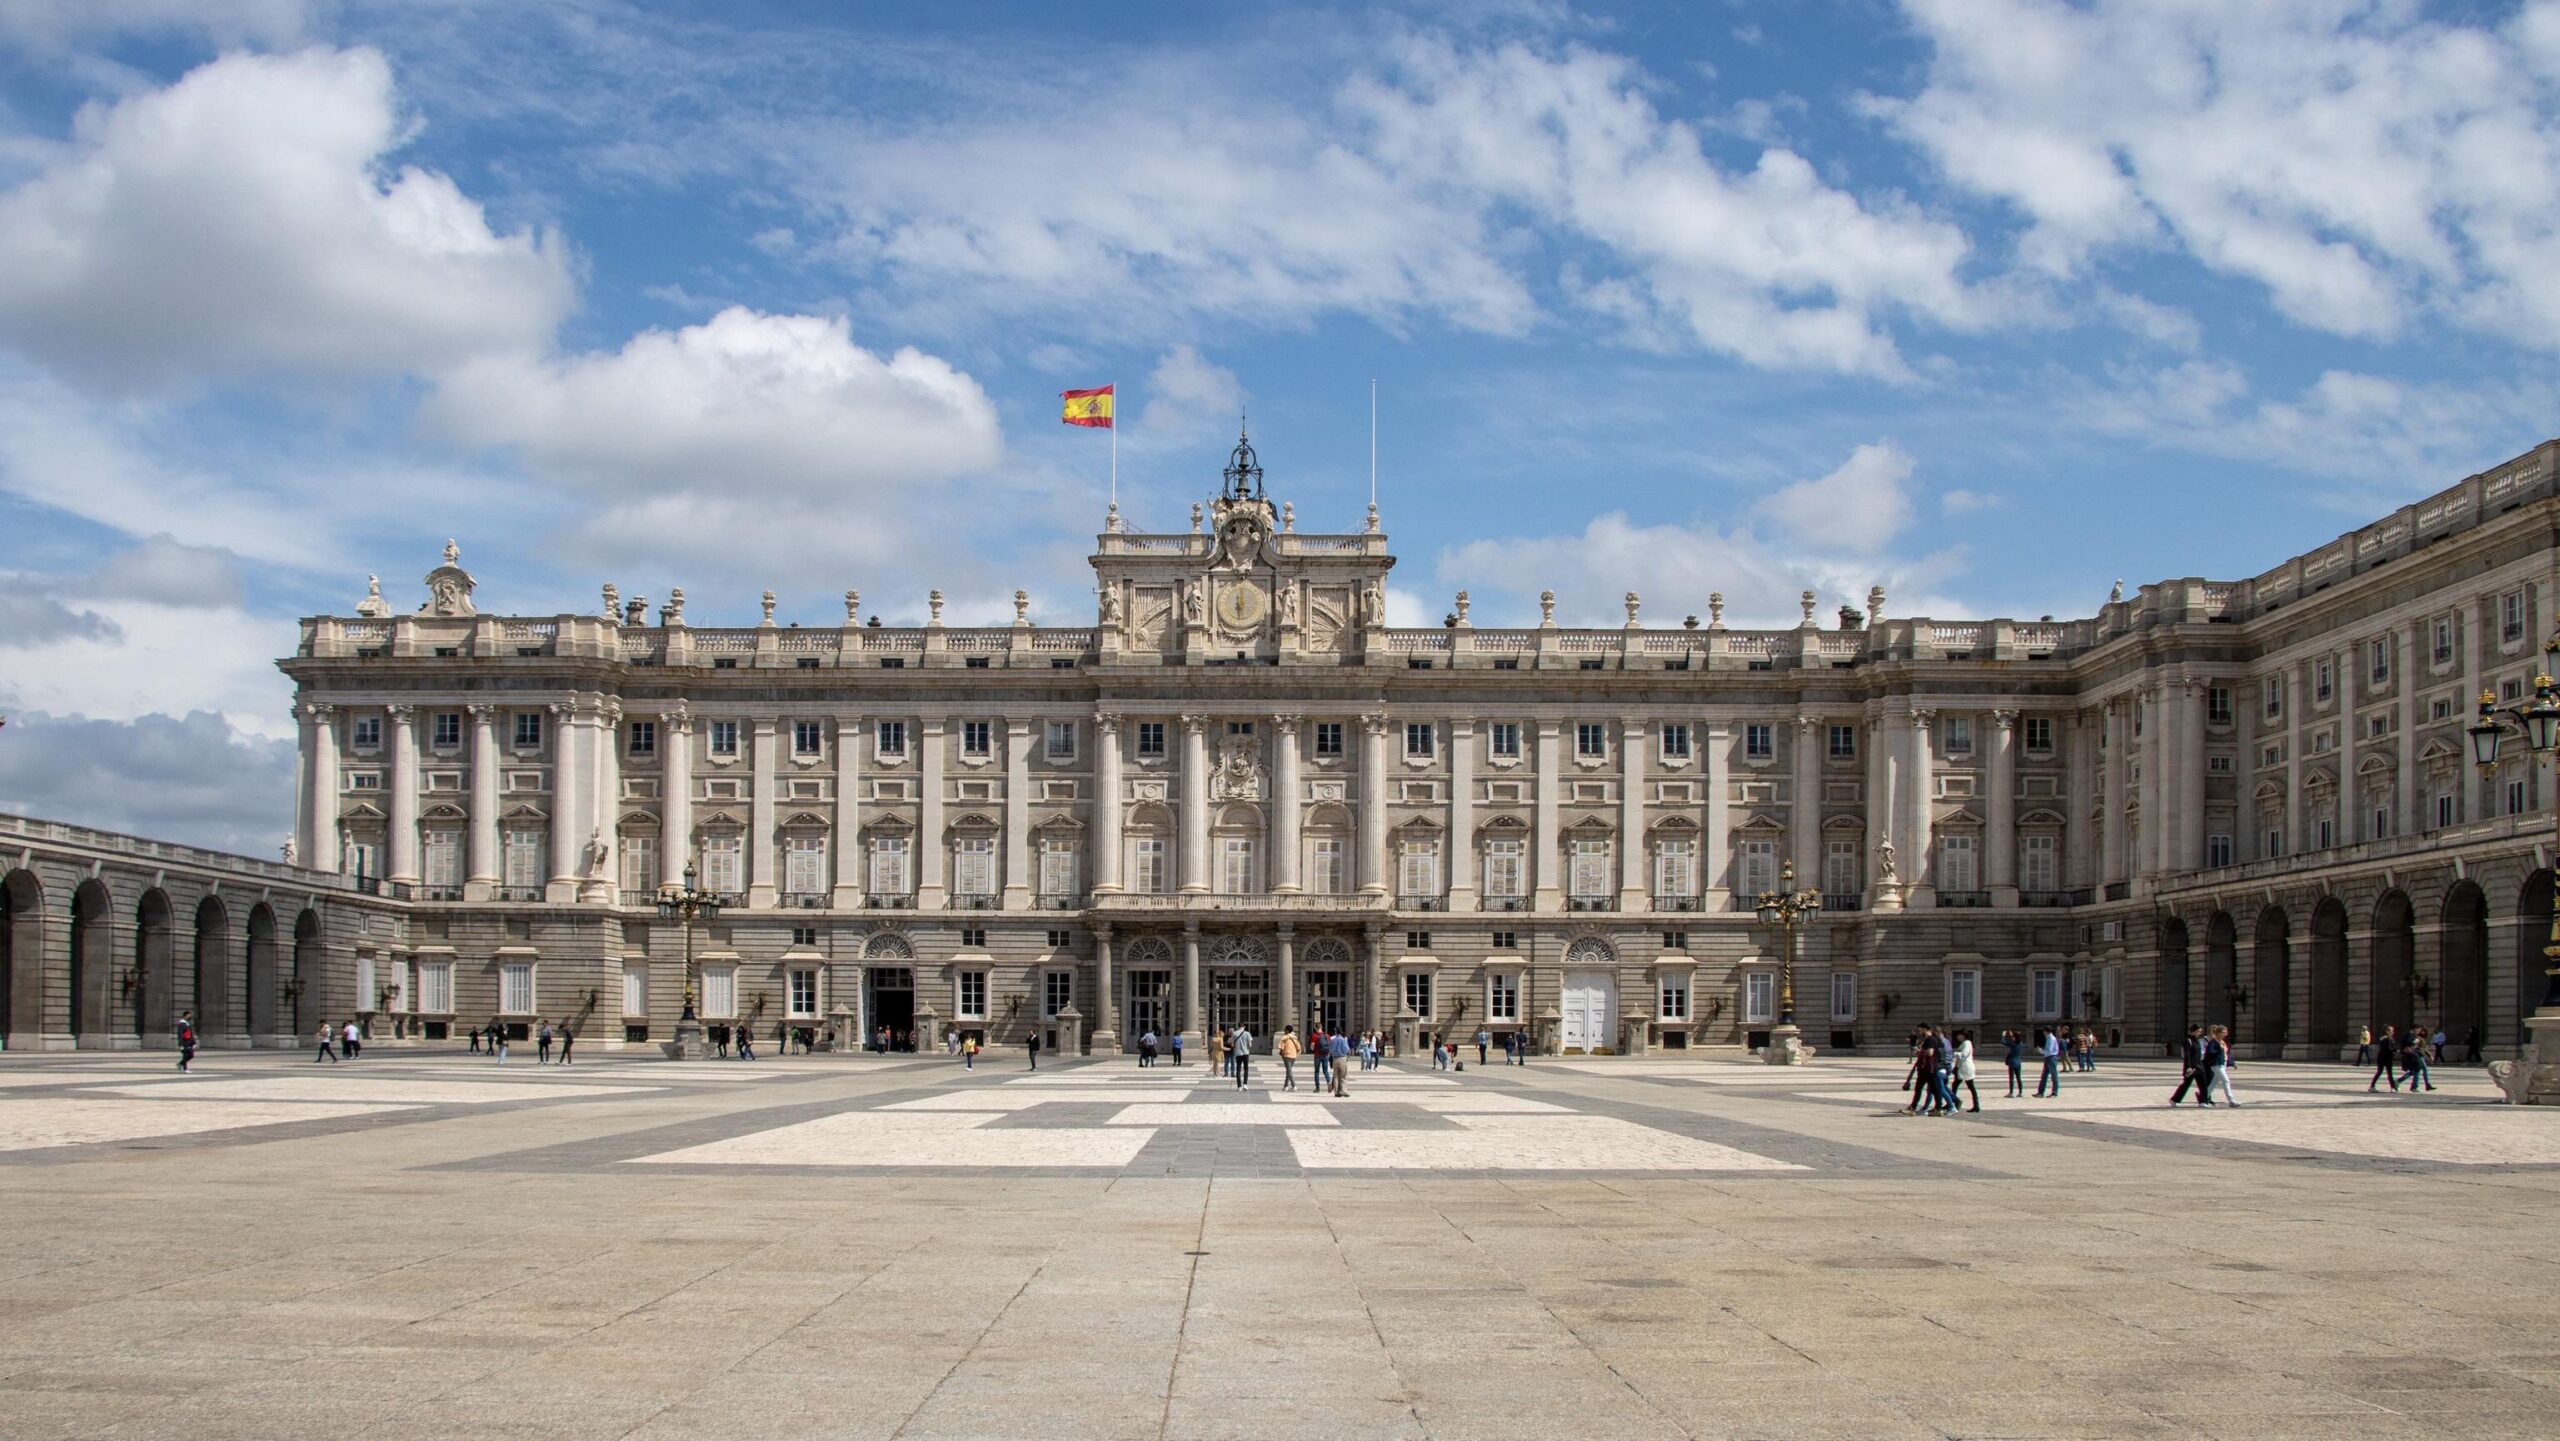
column 2191, row 1071
column 2386, row 1059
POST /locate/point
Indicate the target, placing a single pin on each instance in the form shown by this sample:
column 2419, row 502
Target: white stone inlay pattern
column 881, row 1138
column 391, row 1089
column 1509, row 1143
column 1210, row 1113
column 72, row 1120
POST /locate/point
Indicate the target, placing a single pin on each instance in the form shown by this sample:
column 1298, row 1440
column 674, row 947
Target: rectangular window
column 1417, row 993
column 804, row 935
column 724, row 738
column 1840, row 870
column 444, row 858
column 2111, row 992
column 1417, row 739
column 435, row 987
column 889, row 866
column 973, row 866
column 1235, row 866
column 2515, row 798
column 1326, row 873
column 635, row 989
column 2217, row 850
column 977, row 738
column 803, row 993
column 2045, row 995
column 1504, row 738
column 1328, row 738
column 367, row 733
column 2324, row 681
column 515, row 988
column 1675, row 868
column 1759, row 868
column 1675, row 741
column 2217, row 765
column 2039, row 864
column 1418, row 868
column 1502, row 996
column 1759, row 741
column 2379, row 725
column 1589, row 877
column 1964, row 993
column 2442, row 649
column 1062, row 740
column 724, row 864
column 1506, row 940
column 640, row 864
column 808, row 738
column 1844, row 996
column 2274, row 843
column 972, row 1002
column 523, row 859
column 528, row 730
column 1057, row 992
column 446, row 731
column 1148, row 872
column 1058, row 869
column 1844, row 743
column 719, row 992
column 1956, row 869
column 2326, row 833
column 1591, row 739
column 1151, row 740
column 889, row 738
column 1674, row 998
column 2511, row 615
column 1958, row 730
column 1675, row 941
column 2217, row 705
column 1417, row 940
column 2444, row 810
column 1759, row 998
column 1503, row 869
column 644, row 739
column 2381, row 823
column 2378, row 660
column 2274, row 692
column 2039, row 734
column 804, row 866
column 2271, row 756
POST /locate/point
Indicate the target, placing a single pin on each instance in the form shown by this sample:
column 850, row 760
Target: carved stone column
column 1195, row 805
column 1547, row 842
column 320, row 819
column 486, row 864
column 848, row 838
column 568, row 837
column 604, row 747
column 1714, row 763
column 1921, row 791
column 1106, row 1000
column 1373, row 805
column 1632, row 894
column 1017, row 815
column 2000, row 867
column 933, row 849
column 402, row 862
column 760, row 815
column 675, row 800
column 1104, row 863
column 1461, row 858
column 1287, row 795
column 1804, row 809
column 1288, row 974
column 1192, row 1034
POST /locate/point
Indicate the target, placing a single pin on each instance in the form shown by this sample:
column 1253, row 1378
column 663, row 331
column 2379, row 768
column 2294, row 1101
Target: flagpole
column 1373, row 445
column 1115, row 446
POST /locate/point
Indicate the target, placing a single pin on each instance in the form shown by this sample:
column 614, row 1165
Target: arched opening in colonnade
column 2172, row 1012
column 21, row 957
column 2462, row 993
column 2271, row 984
column 306, row 973
column 212, row 990
column 2221, row 970
column 2329, row 973
column 265, row 986
column 92, row 963
column 2533, row 934
column 155, row 962
column 2393, row 960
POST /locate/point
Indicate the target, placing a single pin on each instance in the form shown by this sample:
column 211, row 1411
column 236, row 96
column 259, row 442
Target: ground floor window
column 1964, row 993
column 804, row 993
column 1675, row 998
column 1502, row 996
column 1844, row 995
column 2045, row 997
column 1417, row 993
column 1057, row 992
column 435, row 987
column 1759, row 997
column 719, row 992
column 515, row 988
column 635, row 990
column 972, row 1001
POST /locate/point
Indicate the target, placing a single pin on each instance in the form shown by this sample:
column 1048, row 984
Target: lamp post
column 686, row 904
column 1782, row 908
column 2535, row 1078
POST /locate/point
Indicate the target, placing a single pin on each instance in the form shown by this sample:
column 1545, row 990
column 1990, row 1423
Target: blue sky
column 1987, row 301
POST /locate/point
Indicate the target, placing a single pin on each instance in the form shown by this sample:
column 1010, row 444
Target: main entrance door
column 889, row 999
column 1328, row 1001
column 1240, row 998
column 1149, row 1007
column 1590, row 1008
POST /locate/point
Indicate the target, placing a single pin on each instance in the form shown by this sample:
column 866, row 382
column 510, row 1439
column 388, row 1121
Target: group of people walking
column 2204, row 1065
column 1941, row 1063
column 2399, row 1056
column 332, row 1039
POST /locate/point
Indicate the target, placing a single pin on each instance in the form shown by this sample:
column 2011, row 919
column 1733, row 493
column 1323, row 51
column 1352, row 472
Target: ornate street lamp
column 1782, row 908
column 2539, row 725
column 687, row 903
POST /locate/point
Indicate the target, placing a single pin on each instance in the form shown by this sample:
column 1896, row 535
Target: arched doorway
column 92, row 965
column 2534, row 983
column 265, row 986
column 2462, row 993
column 2271, row 989
column 2172, row 1010
column 2329, row 973
column 212, row 990
column 1590, row 998
column 2394, row 960
column 2221, row 971
column 306, row 974
column 155, row 957
column 21, row 960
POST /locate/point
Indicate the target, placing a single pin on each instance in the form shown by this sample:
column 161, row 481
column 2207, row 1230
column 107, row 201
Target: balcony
column 1964, row 900
column 1422, row 903
column 1591, row 903
column 1068, row 902
column 1675, row 903
column 879, row 902
column 2055, row 899
column 439, row 893
column 1505, row 903
column 1844, row 900
column 804, row 900
column 2119, row 890
column 518, row 893
column 972, row 901
column 639, row 900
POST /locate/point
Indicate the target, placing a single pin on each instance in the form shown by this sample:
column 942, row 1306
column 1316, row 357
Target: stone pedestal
column 1639, row 1038
column 1551, row 1031
column 1887, row 897
column 1785, row 1048
column 1408, row 1033
column 1103, row 1043
column 2533, row 1079
column 1070, row 1031
column 689, row 1044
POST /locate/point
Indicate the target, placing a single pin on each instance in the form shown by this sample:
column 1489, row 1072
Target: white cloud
column 245, row 218
column 2356, row 160
column 49, row 23
column 165, row 570
column 153, row 658
column 1188, row 396
column 191, row 778
column 1961, row 501
column 1858, row 508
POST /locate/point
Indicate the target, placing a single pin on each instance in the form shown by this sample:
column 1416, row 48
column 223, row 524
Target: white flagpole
column 1373, row 445
column 1115, row 445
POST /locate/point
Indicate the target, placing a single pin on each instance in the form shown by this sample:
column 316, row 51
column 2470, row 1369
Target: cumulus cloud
column 1961, row 501
column 1188, row 396
column 246, row 218
column 165, row 570
column 47, row 23
column 191, row 778
column 31, row 617
column 2357, row 161
column 1858, row 508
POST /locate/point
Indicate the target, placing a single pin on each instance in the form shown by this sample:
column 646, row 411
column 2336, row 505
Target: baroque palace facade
column 1240, row 797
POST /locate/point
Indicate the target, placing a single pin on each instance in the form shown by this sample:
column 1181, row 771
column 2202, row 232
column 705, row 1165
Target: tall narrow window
column 804, row 993
column 1418, row 868
column 889, row 739
column 1062, row 740
column 639, row 864
column 444, row 858
column 1150, row 740
column 1759, row 868
column 1058, row 869
column 724, row 738
column 889, row 866
column 724, row 864
column 1591, row 739
column 977, row 738
column 972, row 997
column 1956, row 870
column 1502, row 740
column 973, row 866
column 1675, row 868
column 1418, row 739
column 719, row 992
column 1759, row 741
column 808, row 738
column 804, row 866
column 1235, row 865
column 1964, row 993
column 635, row 989
column 644, row 739
column 435, row 987
column 1503, row 871
column 1844, row 743
column 1502, row 996
column 523, row 858
column 1675, row 741
column 1589, row 875
column 1844, row 996
column 1840, row 870
column 1148, row 871
column 2039, row 867
column 515, row 988
column 1326, row 872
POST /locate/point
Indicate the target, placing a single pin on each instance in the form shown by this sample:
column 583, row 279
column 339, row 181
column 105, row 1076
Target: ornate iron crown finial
column 1244, row 469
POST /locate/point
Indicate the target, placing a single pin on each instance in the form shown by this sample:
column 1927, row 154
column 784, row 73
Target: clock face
column 1240, row 605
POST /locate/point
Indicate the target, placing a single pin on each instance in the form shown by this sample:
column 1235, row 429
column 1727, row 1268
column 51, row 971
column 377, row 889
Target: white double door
column 1590, row 1008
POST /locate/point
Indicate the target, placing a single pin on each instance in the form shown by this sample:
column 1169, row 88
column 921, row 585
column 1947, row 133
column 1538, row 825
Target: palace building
column 1235, row 795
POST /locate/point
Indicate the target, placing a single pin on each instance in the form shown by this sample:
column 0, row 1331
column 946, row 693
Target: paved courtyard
column 431, row 1245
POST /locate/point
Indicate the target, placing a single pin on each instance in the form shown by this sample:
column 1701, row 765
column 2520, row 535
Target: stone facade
column 1240, row 795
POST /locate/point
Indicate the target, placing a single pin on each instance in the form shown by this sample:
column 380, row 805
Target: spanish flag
column 1087, row 407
